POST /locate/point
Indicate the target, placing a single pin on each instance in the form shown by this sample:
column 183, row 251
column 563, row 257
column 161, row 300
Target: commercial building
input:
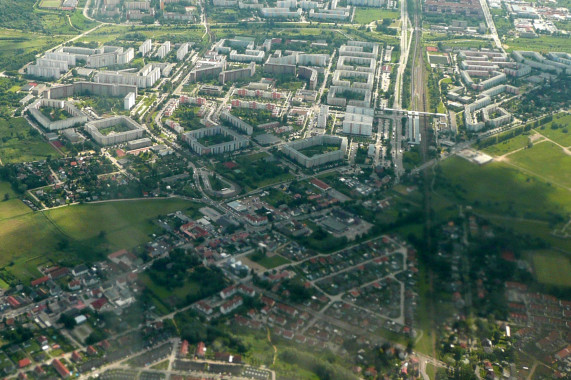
column 76, row 116
column 280, row 13
column 292, row 150
column 358, row 121
column 138, row 144
column 461, row 7
column 104, row 133
column 330, row 14
column 192, row 137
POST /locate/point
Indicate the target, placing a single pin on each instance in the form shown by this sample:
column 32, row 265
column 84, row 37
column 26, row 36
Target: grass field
column 546, row 160
column 541, row 44
column 17, row 48
column 273, row 261
column 125, row 223
column 500, row 189
column 50, row 3
column 558, row 135
column 507, row 146
column 110, row 33
column 22, row 144
column 368, row 15
column 552, row 268
column 33, row 238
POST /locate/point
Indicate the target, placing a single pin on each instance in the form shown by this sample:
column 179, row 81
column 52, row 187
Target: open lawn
column 50, row 3
column 500, row 189
column 542, row 44
column 124, row 223
column 73, row 234
column 23, row 143
column 507, row 146
column 270, row 262
column 552, row 268
column 561, row 134
column 545, row 160
column 109, row 33
column 18, row 48
column 368, row 15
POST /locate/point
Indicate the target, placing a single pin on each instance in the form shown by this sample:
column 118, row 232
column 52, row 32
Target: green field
column 50, row 3
column 125, row 223
column 546, row 160
column 109, row 33
column 270, row 262
column 507, row 146
column 561, row 135
column 33, row 238
column 22, row 143
column 541, row 44
column 552, row 268
column 500, row 189
column 368, row 15
column 18, row 48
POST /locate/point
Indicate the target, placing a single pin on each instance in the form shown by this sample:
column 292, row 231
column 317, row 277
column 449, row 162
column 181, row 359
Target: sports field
column 72, row 234
column 552, row 268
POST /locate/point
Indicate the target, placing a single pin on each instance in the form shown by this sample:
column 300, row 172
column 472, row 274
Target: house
column 183, row 351
column 204, row 307
column 228, row 292
column 247, row 291
column 564, row 353
column 79, row 270
column 231, row 305
column 61, row 369
column 200, row 350
column 76, row 356
column 40, row 281
column 24, row 363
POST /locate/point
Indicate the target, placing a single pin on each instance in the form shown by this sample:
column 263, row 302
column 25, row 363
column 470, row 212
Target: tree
column 6, row 196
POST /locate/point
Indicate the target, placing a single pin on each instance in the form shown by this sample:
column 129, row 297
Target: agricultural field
column 22, row 143
column 552, row 268
column 545, row 160
column 368, row 15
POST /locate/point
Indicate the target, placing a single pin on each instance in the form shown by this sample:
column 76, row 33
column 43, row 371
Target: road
column 491, row 25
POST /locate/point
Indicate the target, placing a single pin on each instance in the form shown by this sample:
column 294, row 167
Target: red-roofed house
column 200, row 350
column 24, row 363
column 60, row 368
column 39, row 281
column 183, row 349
